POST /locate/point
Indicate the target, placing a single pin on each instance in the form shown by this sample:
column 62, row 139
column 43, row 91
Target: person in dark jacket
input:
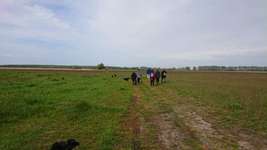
column 163, row 76
column 157, row 76
column 148, row 71
column 152, row 78
column 134, row 77
column 139, row 77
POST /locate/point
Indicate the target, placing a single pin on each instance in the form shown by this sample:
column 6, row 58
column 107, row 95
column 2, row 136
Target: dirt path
column 208, row 133
column 158, row 119
column 170, row 133
column 202, row 131
column 131, row 127
column 135, row 125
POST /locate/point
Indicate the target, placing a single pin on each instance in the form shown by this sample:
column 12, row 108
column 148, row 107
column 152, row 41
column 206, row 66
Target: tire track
column 209, row 134
column 170, row 136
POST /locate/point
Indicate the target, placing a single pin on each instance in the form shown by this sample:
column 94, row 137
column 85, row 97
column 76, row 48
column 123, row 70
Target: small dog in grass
column 114, row 76
column 126, row 79
column 65, row 145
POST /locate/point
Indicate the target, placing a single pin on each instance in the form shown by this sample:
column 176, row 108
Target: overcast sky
column 164, row 33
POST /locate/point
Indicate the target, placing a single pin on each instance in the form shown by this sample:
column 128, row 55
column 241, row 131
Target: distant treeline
column 231, row 68
column 68, row 67
column 50, row 66
column 194, row 68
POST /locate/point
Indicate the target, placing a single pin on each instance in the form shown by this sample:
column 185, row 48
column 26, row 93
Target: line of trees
column 232, row 68
column 194, row 68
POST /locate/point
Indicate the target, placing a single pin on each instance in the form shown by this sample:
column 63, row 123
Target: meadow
column 238, row 99
column 192, row 110
column 39, row 108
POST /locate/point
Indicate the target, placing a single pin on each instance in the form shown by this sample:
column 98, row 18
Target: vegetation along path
column 193, row 110
column 161, row 119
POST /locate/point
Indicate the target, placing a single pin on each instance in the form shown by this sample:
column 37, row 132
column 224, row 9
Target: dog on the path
column 126, row 78
column 65, row 145
column 114, row 75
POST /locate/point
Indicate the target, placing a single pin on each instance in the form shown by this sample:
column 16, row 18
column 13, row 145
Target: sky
column 169, row 33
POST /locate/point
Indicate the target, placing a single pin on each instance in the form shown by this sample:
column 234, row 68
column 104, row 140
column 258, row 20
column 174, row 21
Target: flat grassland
column 192, row 110
column 39, row 108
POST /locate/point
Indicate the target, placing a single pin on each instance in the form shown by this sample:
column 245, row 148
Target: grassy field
column 193, row 110
column 238, row 99
column 39, row 108
column 206, row 110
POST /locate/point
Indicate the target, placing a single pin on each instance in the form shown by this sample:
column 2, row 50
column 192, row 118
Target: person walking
column 139, row 76
column 157, row 76
column 148, row 71
column 134, row 77
column 152, row 78
column 163, row 76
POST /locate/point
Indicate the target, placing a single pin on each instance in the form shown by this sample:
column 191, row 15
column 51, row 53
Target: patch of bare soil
column 169, row 135
column 248, row 141
column 245, row 145
column 213, row 138
column 191, row 132
column 134, row 124
column 209, row 137
column 131, row 128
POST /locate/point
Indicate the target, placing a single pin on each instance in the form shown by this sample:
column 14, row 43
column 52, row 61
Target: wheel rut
column 134, row 124
column 177, row 126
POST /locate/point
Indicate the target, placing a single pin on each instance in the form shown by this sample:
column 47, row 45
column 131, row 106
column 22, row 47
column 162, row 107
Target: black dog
column 114, row 76
column 126, row 79
column 63, row 145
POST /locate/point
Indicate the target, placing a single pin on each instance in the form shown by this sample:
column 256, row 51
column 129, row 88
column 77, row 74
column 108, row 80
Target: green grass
column 232, row 101
column 235, row 99
column 39, row 108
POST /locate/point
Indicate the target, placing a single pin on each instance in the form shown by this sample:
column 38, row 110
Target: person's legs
column 163, row 79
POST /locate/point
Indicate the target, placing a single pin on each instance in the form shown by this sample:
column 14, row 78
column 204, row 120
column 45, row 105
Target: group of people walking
column 154, row 76
column 136, row 77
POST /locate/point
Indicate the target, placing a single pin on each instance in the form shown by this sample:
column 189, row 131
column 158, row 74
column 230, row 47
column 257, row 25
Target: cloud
column 125, row 32
column 23, row 19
